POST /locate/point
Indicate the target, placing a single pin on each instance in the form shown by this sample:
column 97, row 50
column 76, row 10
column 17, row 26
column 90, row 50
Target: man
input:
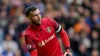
column 40, row 36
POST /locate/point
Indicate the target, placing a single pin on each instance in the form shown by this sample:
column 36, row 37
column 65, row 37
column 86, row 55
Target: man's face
column 35, row 17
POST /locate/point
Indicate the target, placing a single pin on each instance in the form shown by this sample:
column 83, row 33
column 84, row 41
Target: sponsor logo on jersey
column 29, row 46
column 43, row 42
column 48, row 29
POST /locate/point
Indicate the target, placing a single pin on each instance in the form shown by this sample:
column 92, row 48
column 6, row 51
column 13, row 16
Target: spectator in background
column 81, row 25
column 1, row 49
column 17, row 53
column 23, row 44
column 11, row 30
column 86, row 4
column 95, row 52
column 84, row 39
column 95, row 40
column 96, row 22
column 10, row 46
column 88, row 19
column 16, row 3
column 21, row 17
column 50, row 12
column 55, row 4
column 39, row 5
column 72, row 17
column 80, row 10
column 82, row 50
column 95, row 18
column 74, row 39
column 3, row 18
column 95, row 7
column 27, row 3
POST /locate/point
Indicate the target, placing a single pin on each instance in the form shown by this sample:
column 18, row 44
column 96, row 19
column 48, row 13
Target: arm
column 65, row 39
column 63, row 36
column 30, row 46
column 66, row 42
column 33, row 53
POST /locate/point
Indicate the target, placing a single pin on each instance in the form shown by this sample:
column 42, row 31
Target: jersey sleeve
column 56, row 26
column 29, row 43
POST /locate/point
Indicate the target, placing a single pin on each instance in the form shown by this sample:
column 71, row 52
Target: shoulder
column 28, row 31
column 47, row 20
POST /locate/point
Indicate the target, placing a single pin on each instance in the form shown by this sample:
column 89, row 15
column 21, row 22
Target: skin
column 35, row 17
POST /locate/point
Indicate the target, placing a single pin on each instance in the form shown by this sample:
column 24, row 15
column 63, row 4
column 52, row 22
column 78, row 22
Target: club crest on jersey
column 48, row 29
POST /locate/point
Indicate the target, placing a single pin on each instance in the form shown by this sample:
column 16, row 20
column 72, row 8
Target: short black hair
column 29, row 9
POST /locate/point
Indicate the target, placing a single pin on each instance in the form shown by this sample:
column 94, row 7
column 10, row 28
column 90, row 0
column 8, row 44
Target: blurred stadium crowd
column 80, row 19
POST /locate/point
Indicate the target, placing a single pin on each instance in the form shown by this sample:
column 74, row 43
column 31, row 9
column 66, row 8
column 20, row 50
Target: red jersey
column 43, row 38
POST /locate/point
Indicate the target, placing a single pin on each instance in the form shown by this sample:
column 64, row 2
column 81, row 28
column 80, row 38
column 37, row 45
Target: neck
column 35, row 26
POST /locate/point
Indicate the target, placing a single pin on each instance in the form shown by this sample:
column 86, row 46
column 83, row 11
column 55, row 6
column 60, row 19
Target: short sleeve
column 56, row 26
column 29, row 43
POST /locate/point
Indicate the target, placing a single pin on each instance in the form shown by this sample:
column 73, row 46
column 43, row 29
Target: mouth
column 39, row 21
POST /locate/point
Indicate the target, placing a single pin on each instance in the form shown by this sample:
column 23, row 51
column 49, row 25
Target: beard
column 37, row 23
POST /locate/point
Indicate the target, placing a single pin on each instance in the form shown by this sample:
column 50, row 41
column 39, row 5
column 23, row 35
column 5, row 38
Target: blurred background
column 80, row 19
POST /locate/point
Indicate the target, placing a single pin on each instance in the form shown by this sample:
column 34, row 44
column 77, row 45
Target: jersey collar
column 36, row 27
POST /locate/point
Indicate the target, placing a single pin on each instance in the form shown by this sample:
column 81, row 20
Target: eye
column 34, row 15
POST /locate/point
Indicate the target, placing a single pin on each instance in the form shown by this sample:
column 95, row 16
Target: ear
column 28, row 17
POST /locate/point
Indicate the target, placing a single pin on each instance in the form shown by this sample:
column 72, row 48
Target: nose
column 39, row 17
